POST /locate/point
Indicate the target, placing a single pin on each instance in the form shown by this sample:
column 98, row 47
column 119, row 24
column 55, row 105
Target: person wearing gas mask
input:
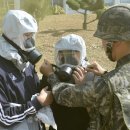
column 70, row 52
column 110, row 95
column 18, row 78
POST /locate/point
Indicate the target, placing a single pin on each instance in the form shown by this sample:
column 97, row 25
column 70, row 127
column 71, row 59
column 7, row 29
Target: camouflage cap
column 114, row 24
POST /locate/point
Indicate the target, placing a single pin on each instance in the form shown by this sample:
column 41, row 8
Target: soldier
column 109, row 96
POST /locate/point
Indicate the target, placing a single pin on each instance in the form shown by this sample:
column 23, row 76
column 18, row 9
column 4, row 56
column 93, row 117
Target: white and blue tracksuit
column 16, row 90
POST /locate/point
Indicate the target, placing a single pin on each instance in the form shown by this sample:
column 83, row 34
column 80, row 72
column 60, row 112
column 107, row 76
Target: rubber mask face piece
column 29, row 50
column 29, row 44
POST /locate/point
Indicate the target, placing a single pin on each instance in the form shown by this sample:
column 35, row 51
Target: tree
column 38, row 8
column 96, row 6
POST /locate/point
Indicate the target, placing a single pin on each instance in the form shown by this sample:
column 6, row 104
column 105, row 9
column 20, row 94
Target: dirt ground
column 53, row 27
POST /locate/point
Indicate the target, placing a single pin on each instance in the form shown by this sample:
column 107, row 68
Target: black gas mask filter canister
column 64, row 72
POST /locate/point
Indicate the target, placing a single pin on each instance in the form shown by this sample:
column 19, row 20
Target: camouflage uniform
column 101, row 96
column 108, row 98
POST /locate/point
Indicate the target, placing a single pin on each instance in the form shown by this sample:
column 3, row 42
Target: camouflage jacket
column 108, row 96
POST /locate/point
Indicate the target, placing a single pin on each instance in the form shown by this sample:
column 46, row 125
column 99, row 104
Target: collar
column 123, row 60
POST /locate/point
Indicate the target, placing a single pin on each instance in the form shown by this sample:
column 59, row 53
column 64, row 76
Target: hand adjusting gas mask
column 29, row 53
column 67, row 60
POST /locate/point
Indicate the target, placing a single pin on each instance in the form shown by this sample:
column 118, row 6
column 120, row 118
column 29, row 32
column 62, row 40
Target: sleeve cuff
column 52, row 79
column 36, row 103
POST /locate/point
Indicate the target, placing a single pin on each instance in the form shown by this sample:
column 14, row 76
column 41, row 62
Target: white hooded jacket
column 15, row 24
column 72, row 42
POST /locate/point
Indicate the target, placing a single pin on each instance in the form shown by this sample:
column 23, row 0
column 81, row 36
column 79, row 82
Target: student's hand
column 45, row 97
column 95, row 68
column 79, row 75
column 46, row 68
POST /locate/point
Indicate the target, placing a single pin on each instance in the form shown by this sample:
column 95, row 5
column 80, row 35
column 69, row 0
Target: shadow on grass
column 56, row 33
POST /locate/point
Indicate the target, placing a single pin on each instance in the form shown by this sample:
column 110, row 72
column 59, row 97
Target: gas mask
column 29, row 53
column 67, row 60
column 32, row 55
column 64, row 72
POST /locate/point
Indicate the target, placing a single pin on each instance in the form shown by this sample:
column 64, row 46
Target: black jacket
column 68, row 118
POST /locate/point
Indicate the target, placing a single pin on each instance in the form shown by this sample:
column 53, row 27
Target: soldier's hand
column 45, row 97
column 79, row 75
column 46, row 68
column 95, row 68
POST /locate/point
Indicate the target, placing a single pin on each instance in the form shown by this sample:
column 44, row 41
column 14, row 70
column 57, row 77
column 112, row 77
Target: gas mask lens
column 29, row 44
column 68, row 57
